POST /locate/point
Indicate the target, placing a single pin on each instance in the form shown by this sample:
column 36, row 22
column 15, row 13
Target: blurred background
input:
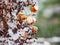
column 48, row 19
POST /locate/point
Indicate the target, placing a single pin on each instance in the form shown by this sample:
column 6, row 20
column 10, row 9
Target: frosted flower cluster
column 16, row 19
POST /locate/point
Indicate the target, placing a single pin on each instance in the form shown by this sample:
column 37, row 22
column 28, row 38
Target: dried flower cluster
column 16, row 27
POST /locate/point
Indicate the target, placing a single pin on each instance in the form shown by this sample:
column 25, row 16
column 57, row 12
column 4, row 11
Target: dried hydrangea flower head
column 22, row 16
column 24, row 35
column 33, row 9
column 34, row 29
column 30, row 20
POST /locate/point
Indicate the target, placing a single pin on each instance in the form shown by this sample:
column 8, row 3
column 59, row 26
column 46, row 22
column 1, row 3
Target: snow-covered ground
column 43, row 41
